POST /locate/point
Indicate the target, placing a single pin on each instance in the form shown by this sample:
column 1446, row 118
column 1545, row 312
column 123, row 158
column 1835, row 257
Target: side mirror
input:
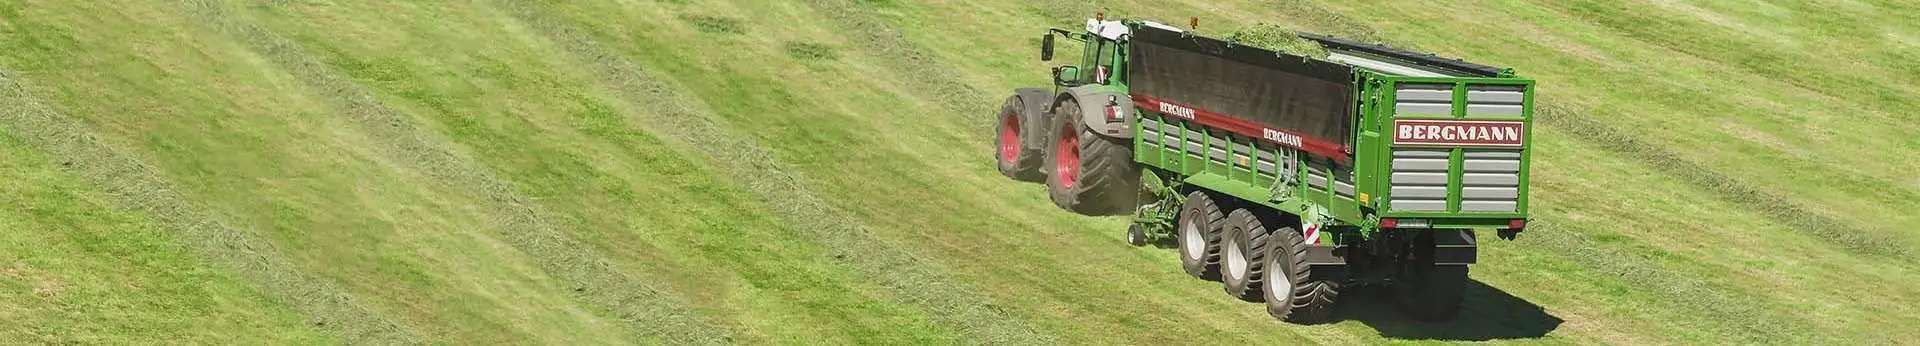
column 1046, row 47
column 1066, row 75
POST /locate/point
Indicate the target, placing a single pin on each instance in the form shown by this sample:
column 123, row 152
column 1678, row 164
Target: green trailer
column 1283, row 176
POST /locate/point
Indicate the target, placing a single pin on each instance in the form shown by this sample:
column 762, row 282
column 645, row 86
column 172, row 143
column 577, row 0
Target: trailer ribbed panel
column 1419, row 180
column 1491, row 182
column 1428, row 99
column 1496, row 100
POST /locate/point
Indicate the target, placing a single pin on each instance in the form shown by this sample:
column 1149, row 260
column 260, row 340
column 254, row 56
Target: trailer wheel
column 1244, row 247
column 1091, row 174
column 1291, row 291
column 1197, row 230
column 1016, row 154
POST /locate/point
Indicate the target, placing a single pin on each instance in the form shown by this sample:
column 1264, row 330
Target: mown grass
column 76, row 270
column 246, row 148
column 817, row 172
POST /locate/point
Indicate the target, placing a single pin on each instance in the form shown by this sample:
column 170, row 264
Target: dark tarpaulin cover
column 1310, row 97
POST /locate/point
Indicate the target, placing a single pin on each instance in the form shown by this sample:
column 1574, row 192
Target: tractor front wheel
column 1016, row 155
column 1091, row 174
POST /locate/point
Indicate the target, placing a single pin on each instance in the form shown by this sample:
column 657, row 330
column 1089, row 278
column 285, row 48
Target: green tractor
column 1285, row 177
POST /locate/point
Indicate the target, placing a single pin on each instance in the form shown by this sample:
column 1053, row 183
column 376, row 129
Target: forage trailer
column 1285, row 177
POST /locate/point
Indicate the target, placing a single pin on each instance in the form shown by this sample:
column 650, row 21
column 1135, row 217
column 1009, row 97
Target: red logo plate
column 1459, row 133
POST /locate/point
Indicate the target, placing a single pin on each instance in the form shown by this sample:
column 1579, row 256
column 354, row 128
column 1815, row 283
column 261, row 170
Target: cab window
column 1102, row 68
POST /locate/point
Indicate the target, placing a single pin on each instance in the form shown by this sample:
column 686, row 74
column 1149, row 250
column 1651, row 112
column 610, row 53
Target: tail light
column 1405, row 223
column 1517, row 224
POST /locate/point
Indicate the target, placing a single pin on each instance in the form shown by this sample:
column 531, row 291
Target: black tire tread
column 1109, row 180
column 1310, row 302
column 1201, row 204
column 1250, row 233
column 1032, row 151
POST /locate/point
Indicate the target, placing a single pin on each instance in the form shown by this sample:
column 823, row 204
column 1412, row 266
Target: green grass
column 76, row 270
column 818, row 172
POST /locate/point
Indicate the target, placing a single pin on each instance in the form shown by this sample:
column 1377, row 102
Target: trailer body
column 1371, row 165
column 1310, row 137
column 1440, row 144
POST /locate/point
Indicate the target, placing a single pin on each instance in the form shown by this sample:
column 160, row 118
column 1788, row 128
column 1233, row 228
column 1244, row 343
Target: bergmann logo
column 1282, row 137
column 1459, row 133
column 1176, row 110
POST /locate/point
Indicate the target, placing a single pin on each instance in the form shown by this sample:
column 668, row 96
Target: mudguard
column 1094, row 100
column 1039, row 107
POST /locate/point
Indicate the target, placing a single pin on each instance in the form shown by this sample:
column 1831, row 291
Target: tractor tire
column 1197, row 231
column 1244, row 251
column 1016, row 153
column 1291, row 291
column 1091, row 174
column 1428, row 291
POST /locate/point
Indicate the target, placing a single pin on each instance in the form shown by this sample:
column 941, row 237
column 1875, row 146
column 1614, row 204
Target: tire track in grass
column 1853, row 238
column 131, row 184
column 1725, row 313
column 901, row 54
column 679, row 119
column 896, row 51
column 592, row 278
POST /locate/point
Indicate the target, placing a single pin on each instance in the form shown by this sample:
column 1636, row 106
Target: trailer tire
column 1291, row 291
column 1016, row 153
column 1090, row 174
column 1197, row 231
column 1243, row 255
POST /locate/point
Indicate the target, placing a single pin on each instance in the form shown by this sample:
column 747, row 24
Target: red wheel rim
column 1066, row 163
column 1010, row 138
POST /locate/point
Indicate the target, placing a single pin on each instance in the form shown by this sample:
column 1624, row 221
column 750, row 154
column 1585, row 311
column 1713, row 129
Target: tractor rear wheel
column 1016, row 154
column 1292, row 293
column 1091, row 174
column 1197, row 230
column 1243, row 262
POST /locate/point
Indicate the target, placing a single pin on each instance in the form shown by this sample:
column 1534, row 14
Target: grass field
column 818, row 171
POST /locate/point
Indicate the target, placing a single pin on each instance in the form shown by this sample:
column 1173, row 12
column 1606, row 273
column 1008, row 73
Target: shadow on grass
column 1487, row 314
column 1165, row 243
